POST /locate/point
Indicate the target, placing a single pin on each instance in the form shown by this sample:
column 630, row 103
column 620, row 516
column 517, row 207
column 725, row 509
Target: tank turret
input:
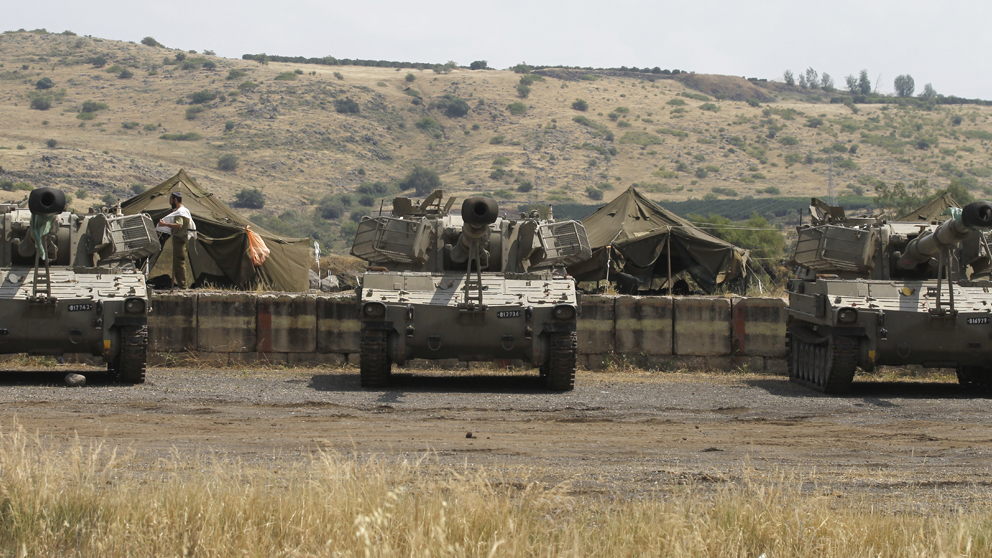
column 869, row 291
column 70, row 284
column 957, row 229
column 472, row 285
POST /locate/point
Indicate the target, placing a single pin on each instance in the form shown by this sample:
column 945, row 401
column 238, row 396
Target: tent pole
column 669, row 250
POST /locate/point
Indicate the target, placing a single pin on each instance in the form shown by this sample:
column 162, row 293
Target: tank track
column 559, row 372
column 828, row 367
column 130, row 362
column 374, row 365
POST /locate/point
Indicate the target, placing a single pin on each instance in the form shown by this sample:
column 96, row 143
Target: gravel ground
column 619, row 432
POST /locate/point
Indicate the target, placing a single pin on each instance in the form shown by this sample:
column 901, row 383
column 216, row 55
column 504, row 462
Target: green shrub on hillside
column 130, row 125
column 709, row 107
column 193, row 111
column 516, row 109
column 247, row 85
column 150, row 41
column 451, row 106
column 189, row 136
column 236, row 74
column 285, row 76
column 44, row 83
column 429, row 126
column 601, row 129
column 594, row 193
column 228, row 162
column 346, row 106
column 249, row 198
column 670, row 132
column 788, row 140
column 640, row 138
column 422, row 180
column 41, row 103
column 92, row 106
column 580, row 105
column 523, row 91
column 496, row 140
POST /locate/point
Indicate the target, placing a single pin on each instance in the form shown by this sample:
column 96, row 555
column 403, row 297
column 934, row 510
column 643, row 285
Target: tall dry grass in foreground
column 77, row 500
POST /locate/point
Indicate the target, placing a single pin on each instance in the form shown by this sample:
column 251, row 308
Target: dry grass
column 62, row 499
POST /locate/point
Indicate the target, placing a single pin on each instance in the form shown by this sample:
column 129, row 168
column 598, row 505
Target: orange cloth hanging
column 257, row 249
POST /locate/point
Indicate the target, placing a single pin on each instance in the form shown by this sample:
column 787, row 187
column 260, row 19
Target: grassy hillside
column 308, row 134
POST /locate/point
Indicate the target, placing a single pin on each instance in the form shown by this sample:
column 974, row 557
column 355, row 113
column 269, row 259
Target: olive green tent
column 219, row 255
column 640, row 233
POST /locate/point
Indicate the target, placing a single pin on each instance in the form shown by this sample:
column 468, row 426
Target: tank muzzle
column 977, row 215
column 46, row 201
column 479, row 210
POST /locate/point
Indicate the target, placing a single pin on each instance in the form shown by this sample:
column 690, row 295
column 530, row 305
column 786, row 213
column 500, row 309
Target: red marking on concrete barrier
column 739, row 330
column 264, row 331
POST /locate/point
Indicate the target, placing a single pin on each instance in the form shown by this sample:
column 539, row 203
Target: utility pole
column 830, row 184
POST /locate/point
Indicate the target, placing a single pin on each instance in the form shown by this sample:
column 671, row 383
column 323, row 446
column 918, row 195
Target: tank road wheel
column 827, row 367
column 560, row 375
column 128, row 365
column 374, row 365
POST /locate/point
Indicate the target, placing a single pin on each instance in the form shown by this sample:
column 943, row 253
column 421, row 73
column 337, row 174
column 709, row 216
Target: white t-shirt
column 171, row 219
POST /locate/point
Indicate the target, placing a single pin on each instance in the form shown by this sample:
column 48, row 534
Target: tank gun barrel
column 478, row 213
column 977, row 215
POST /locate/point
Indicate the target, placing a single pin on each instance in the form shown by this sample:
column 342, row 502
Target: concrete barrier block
column 172, row 323
column 777, row 366
column 596, row 327
column 748, row 365
column 702, row 326
column 720, row 364
column 227, row 322
column 338, row 328
column 167, row 359
column 287, row 324
column 643, row 325
column 759, row 326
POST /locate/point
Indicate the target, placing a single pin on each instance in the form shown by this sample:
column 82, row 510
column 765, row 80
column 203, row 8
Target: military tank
column 69, row 283
column 873, row 292
column 471, row 286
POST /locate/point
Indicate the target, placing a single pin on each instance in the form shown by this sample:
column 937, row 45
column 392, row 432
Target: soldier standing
column 179, row 225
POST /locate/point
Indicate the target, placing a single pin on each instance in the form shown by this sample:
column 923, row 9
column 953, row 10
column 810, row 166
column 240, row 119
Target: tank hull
column 83, row 315
column 894, row 323
column 426, row 316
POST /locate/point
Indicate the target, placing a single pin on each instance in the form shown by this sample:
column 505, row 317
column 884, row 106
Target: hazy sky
column 935, row 42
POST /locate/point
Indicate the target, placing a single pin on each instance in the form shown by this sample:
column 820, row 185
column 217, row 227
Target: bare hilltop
column 310, row 147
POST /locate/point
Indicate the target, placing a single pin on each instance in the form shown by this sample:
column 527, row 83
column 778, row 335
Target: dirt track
column 627, row 432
